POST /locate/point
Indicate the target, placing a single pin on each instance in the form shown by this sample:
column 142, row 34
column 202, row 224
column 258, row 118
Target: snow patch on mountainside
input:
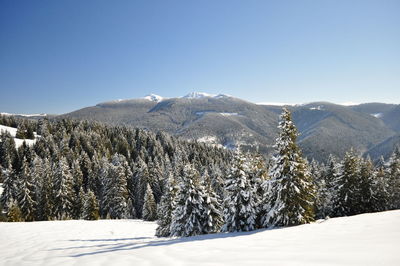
column 377, row 115
column 207, row 139
column 366, row 240
column 319, row 108
column 201, row 113
column 229, row 114
column 154, row 98
column 199, row 95
column 13, row 133
column 24, row 115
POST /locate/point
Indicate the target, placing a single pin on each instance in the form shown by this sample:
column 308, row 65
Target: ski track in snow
column 368, row 239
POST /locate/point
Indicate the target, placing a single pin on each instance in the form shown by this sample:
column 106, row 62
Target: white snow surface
column 198, row 95
column 367, row 239
column 18, row 142
column 154, row 98
column 377, row 115
column 25, row 115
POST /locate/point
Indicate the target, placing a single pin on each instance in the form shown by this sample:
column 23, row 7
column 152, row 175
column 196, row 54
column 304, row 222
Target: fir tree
column 187, row 217
column 240, row 207
column 115, row 189
column 347, row 186
column 9, row 189
column 77, row 188
column 166, row 207
column 90, row 210
column 149, row 206
column 290, row 193
column 367, row 179
column 380, row 189
column 21, row 131
column 63, row 190
column 26, row 194
column 45, row 197
column 212, row 207
column 14, row 212
column 393, row 175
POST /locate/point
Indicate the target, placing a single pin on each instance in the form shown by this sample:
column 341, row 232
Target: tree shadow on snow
column 143, row 242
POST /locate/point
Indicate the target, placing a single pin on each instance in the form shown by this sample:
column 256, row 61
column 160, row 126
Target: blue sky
column 58, row 56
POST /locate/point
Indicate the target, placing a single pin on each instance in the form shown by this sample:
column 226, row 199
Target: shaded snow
column 368, row 239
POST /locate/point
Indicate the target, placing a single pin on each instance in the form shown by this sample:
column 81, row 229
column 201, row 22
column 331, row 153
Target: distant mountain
column 329, row 128
column 388, row 113
column 231, row 122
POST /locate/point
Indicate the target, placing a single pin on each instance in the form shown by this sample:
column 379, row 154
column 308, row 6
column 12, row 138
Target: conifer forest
column 88, row 170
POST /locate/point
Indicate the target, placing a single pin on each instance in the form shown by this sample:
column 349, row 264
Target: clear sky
column 58, row 56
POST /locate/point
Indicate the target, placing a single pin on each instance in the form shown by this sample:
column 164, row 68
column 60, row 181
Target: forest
column 89, row 170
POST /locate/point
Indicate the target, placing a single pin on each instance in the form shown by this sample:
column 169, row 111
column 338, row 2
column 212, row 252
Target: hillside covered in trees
column 87, row 170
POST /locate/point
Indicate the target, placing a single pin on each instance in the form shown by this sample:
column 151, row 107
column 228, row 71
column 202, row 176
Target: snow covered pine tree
column 290, row 193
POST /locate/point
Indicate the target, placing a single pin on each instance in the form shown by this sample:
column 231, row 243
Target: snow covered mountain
column 154, row 98
column 220, row 119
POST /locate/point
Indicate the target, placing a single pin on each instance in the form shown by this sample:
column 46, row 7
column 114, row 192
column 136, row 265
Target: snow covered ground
column 368, row 239
column 13, row 132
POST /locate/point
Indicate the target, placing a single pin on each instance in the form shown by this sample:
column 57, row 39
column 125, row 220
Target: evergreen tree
column 77, row 190
column 380, row 189
column 326, row 188
column 14, row 212
column 26, row 194
column 45, row 197
column 290, row 193
column 367, row 179
column 212, row 207
column 63, row 191
column 393, row 175
column 240, row 207
column 21, row 131
column 347, row 186
column 115, row 189
column 166, row 207
column 90, row 210
column 149, row 206
column 9, row 189
column 187, row 217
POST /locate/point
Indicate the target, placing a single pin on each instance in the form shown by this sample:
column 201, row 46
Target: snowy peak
column 154, row 98
column 199, row 95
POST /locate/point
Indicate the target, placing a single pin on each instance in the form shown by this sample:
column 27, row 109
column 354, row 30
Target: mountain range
column 325, row 128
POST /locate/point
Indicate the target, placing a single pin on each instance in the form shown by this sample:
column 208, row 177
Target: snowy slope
column 368, row 239
column 13, row 132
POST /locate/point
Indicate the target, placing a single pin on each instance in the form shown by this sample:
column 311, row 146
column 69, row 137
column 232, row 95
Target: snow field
column 18, row 142
column 367, row 239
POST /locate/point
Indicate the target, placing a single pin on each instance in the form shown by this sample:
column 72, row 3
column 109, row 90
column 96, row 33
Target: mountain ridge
column 220, row 119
